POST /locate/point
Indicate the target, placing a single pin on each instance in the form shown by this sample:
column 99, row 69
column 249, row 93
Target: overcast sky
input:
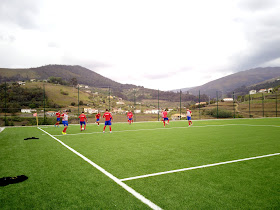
column 159, row 44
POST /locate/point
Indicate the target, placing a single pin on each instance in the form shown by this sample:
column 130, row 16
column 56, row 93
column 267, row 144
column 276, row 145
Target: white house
column 137, row 111
column 90, row 110
column 251, row 92
column 120, row 111
column 201, row 103
column 27, row 110
column 21, row 83
column 153, row 111
column 263, row 91
column 50, row 113
column 120, row 102
column 228, row 99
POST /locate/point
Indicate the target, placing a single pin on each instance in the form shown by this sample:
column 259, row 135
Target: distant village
column 121, row 102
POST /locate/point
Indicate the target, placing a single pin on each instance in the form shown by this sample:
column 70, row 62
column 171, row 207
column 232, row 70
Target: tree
column 74, row 81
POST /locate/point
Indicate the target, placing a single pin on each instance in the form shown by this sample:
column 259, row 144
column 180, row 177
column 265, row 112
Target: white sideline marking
column 115, row 179
column 197, row 167
column 1, row 129
column 166, row 128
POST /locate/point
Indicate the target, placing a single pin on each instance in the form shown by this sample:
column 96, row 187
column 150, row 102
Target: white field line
column 166, row 128
column 1, row 129
column 197, row 167
column 115, row 179
column 235, row 119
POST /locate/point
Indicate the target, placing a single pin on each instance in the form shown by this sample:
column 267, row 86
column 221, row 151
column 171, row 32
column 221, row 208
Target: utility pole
column 6, row 123
column 158, row 104
column 233, row 104
column 78, row 99
column 180, row 104
column 134, row 106
column 109, row 98
column 199, row 103
column 217, row 105
column 44, row 105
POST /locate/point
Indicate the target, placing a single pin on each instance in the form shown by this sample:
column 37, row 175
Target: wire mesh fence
column 18, row 104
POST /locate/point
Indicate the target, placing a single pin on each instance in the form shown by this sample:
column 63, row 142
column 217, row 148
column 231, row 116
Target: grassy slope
column 23, row 72
column 53, row 92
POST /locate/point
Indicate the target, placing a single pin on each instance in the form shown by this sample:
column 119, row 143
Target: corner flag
column 35, row 115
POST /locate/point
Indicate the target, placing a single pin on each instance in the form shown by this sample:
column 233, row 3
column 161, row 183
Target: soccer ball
column 83, row 129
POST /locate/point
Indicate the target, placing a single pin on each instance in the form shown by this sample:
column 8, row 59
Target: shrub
column 221, row 113
column 64, row 92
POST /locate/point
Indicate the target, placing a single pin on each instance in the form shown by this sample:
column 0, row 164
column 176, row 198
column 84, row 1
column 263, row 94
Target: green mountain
column 83, row 75
column 94, row 80
column 226, row 85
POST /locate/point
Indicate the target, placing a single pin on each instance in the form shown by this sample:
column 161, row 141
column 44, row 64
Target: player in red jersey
column 65, row 121
column 164, row 117
column 129, row 117
column 189, row 117
column 97, row 116
column 108, row 117
column 83, row 120
column 57, row 118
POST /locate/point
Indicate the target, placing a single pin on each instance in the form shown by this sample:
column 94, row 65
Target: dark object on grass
column 31, row 138
column 12, row 180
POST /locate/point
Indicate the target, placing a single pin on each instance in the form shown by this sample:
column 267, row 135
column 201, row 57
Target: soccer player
column 83, row 120
column 97, row 116
column 130, row 117
column 57, row 118
column 189, row 117
column 108, row 117
column 164, row 116
column 65, row 121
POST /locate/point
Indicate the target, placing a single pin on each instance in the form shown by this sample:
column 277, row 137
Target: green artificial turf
column 60, row 179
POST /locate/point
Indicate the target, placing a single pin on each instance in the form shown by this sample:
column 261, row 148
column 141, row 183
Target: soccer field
column 214, row 164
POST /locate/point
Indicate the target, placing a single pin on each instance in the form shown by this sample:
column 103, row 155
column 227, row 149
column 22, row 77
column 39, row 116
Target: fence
column 17, row 105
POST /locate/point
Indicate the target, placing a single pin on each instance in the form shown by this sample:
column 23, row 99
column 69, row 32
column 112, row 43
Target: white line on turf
column 115, row 179
column 197, row 167
column 166, row 128
column 1, row 129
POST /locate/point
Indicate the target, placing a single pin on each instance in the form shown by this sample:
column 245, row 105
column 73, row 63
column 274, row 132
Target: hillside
column 83, row 75
column 92, row 79
column 229, row 83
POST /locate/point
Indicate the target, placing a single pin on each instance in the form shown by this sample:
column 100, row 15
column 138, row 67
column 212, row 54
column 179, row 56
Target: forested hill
column 230, row 83
column 83, row 75
column 94, row 80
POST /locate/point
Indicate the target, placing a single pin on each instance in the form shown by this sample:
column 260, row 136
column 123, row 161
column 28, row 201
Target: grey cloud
column 91, row 64
column 261, row 29
column 264, row 53
column 53, row 44
column 169, row 74
column 255, row 5
column 7, row 38
column 156, row 76
column 21, row 13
